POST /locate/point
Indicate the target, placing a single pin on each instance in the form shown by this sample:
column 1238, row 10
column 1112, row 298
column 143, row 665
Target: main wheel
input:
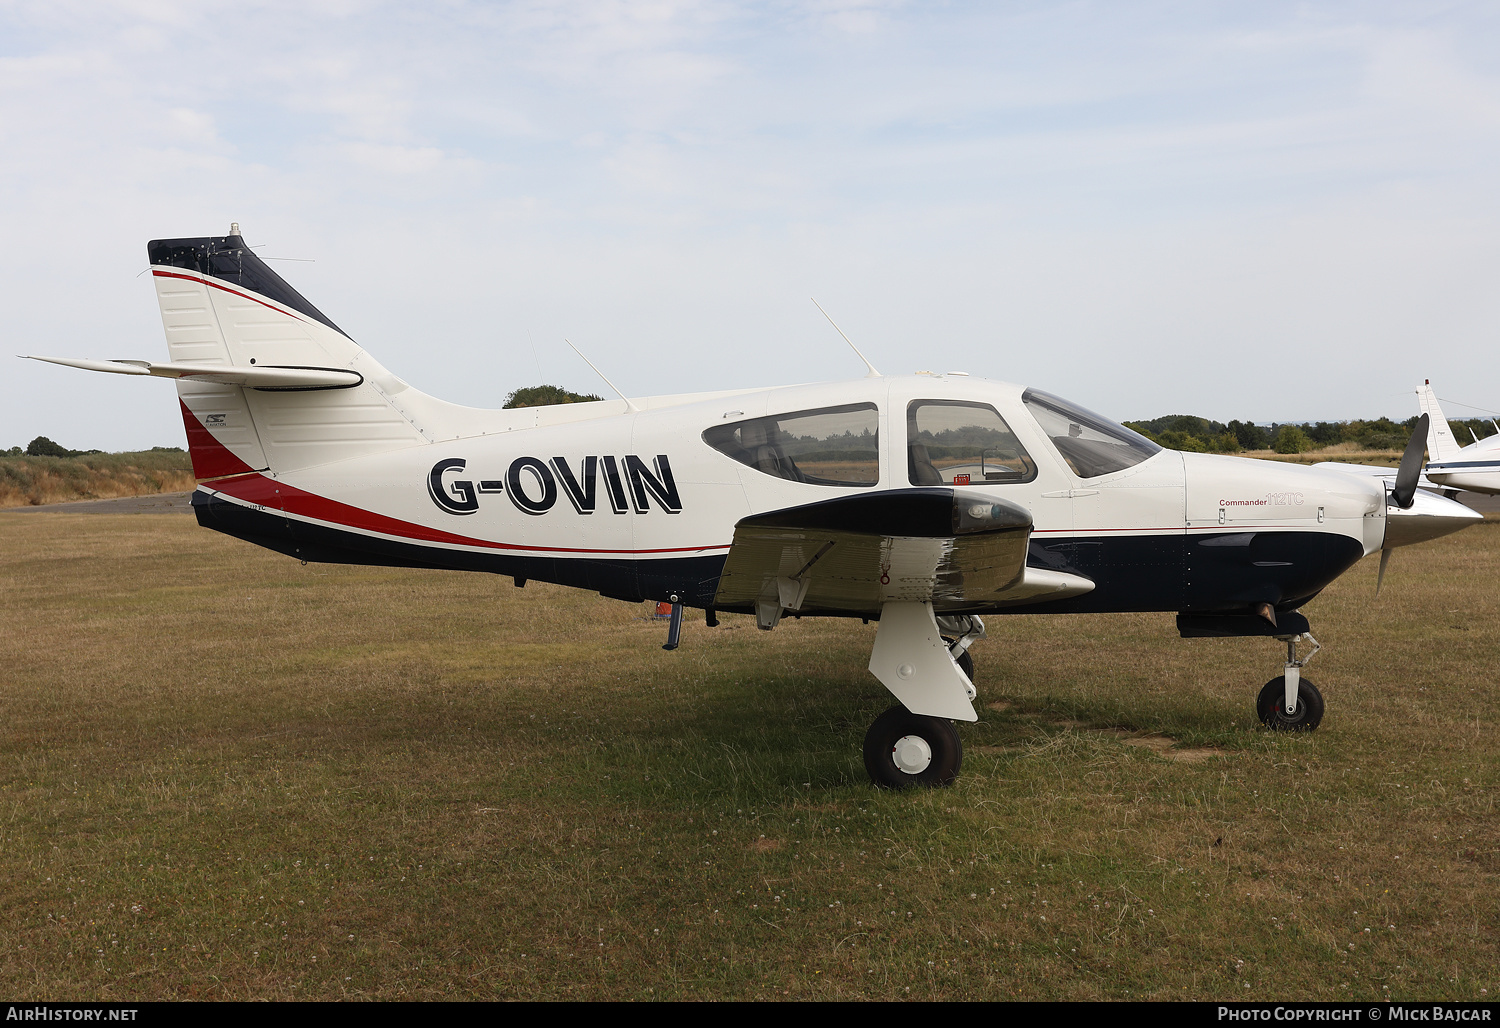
column 1273, row 697
column 904, row 749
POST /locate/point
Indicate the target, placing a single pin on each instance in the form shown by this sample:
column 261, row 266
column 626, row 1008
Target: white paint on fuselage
column 1169, row 493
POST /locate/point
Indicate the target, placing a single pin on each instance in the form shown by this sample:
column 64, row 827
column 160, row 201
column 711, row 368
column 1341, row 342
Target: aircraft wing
column 1375, row 471
column 960, row 550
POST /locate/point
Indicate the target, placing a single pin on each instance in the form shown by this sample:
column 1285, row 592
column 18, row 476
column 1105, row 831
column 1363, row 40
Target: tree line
column 1201, row 435
column 41, row 446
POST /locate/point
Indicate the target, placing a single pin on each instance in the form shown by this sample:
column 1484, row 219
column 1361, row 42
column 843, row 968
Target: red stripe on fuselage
column 273, row 495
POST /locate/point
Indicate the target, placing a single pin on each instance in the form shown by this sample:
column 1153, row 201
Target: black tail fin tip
column 228, row 259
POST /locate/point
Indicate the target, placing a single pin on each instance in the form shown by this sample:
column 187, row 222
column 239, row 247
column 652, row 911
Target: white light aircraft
column 924, row 502
column 1450, row 468
column 1475, row 468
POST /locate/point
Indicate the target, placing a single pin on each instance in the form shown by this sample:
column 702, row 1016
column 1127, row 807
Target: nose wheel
column 1271, row 706
column 904, row 749
column 1291, row 703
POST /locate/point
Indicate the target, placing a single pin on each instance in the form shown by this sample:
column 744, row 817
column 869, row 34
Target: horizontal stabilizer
column 253, row 377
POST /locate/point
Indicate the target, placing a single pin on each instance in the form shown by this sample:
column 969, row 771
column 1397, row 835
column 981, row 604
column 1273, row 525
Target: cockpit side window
column 827, row 446
column 954, row 442
column 1092, row 445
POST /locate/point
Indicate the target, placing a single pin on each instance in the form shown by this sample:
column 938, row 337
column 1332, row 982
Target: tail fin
column 1440, row 442
column 222, row 306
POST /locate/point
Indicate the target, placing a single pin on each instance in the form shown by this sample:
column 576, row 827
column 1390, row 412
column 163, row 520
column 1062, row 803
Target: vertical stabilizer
column 1440, row 442
column 221, row 305
column 221, row 435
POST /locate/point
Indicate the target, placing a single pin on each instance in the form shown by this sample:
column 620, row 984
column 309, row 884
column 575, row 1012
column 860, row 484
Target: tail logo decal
column 532, row 484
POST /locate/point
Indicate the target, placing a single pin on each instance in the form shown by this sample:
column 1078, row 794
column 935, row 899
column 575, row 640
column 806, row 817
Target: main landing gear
column 902, row 749
column 1291, row 703
column 924, row 661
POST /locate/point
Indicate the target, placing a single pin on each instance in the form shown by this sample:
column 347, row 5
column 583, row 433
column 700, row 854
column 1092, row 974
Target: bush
column 1174, row 440
column 546, row 395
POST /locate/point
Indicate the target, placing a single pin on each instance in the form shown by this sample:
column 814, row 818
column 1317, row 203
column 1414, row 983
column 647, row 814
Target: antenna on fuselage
column 628, row 405
column 873, row 372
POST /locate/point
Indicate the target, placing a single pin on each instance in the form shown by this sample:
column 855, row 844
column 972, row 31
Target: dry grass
column 227, row 775
column 33, row 481
column 1347, row 453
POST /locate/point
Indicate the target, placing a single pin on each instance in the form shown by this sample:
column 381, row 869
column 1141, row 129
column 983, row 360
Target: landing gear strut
column 915, row 743
column 1291, row 703
column 960, row 631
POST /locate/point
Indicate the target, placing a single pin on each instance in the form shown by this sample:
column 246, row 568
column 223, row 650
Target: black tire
column 898, row 724
column 1309, row 711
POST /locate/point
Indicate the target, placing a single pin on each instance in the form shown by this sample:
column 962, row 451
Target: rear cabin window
column 827, row 446
column 952, row 442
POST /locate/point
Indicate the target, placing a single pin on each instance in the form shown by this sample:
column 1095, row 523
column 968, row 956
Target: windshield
column 1092, row 445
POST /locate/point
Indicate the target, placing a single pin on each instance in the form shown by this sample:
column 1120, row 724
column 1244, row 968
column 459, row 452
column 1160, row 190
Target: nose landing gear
column 1291, row 703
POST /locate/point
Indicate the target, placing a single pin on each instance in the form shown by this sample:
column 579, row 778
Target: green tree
column 1173, row 439
column 1291, row 439
column 41, row 446
column 546, row 395
column 1250, row 435
column 1379, row 434
column 1327, row 433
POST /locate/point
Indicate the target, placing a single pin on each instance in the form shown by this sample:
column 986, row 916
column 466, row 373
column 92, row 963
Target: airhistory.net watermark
column 58, row 1012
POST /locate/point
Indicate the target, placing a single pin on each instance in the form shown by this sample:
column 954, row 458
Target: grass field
column 227, row 775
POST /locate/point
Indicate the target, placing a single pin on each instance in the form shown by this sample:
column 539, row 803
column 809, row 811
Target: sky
column 1266, row 211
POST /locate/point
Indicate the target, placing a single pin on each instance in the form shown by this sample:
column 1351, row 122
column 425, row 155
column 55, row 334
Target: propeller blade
column 1385, row 556
column 1405, row 488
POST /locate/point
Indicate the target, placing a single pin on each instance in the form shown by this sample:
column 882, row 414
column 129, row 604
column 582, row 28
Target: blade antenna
column 873, row 373
column 628, row 405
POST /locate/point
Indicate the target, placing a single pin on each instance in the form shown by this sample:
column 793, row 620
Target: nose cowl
column 1429, row 517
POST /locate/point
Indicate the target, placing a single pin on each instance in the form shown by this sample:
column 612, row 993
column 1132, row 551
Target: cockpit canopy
column 948, row 442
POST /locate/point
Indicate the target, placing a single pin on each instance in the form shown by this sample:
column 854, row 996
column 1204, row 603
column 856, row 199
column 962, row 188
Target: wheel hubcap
column 912, row 754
